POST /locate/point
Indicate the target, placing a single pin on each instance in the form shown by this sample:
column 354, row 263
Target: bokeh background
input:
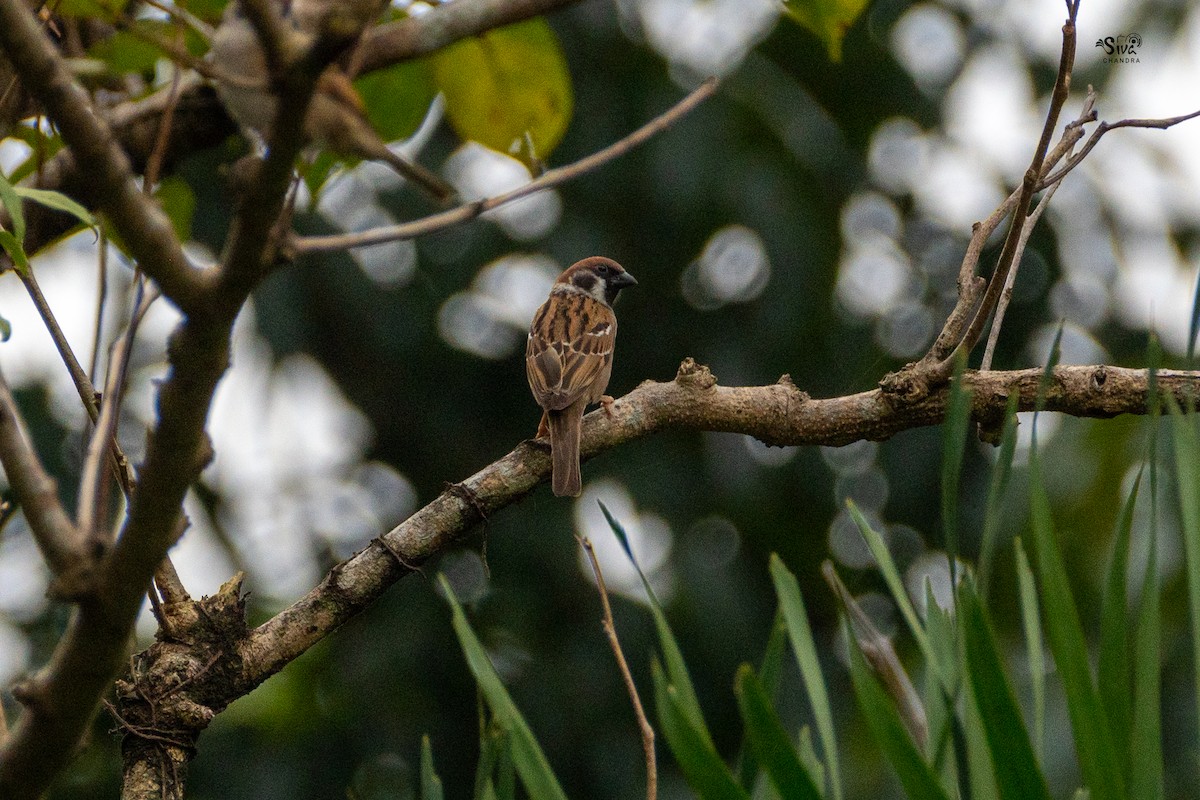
column 808, row 220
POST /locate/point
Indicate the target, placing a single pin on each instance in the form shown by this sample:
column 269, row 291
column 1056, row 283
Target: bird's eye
column 603, row 269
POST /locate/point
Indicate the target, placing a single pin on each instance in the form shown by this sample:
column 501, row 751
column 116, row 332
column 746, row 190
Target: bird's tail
column 564, row 441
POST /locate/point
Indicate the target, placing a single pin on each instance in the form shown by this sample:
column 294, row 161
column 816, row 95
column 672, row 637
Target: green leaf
column 828, row 19
column 124, row 52
column 508, row 89
column 672, row 655
column 954, row 440
column 398, row 98
column 1027, row 593
column 916, row 776
column 178, row 202
column 1018, row 776
column 770, row 741
column 1114, row 670
column 791, row 605
column 528, row 757
column 1089, row 723
column 431, row 784
column 704, row 770
column 999, row 483
column 59, row 202
column 15, row 251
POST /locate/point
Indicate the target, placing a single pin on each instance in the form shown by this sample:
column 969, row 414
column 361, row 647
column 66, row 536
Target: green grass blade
column 698, row 760
column 891, row 576
column 954, row 440
column 769, row 674
column 1000, row 475
column 527, row 756
column 1094, row 746
column 1027, row 593
column 1114, row 675
column 791, row 605
column 916, row 776
column 1145, row 739
column 1187, row 472
column 770, row 741
column 1016, row 767
column 431, row 784
column 677, row 671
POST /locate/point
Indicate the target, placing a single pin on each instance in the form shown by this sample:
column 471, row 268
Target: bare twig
column 60, row 542
column 101, row 298
column 1105, row 127
column 435, row 222
column 610, row 631
column 1005, row 296
column 1029, row 185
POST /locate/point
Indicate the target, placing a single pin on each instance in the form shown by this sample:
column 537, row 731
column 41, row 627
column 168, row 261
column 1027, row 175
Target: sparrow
column 336, row 115
column 569, row 357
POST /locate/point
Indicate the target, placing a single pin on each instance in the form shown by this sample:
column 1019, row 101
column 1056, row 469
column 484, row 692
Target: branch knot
column 695, row 376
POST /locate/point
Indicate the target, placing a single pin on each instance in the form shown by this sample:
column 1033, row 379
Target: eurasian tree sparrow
column 569, row 357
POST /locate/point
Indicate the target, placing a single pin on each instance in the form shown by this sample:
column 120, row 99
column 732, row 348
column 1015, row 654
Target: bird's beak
column 621, row 280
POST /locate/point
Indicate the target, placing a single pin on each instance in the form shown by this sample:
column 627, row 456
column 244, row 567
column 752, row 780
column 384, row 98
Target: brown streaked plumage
column 568, row 359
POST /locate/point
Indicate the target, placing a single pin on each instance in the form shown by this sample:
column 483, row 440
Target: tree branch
column 143, row 226
column 61, row 543
column 779, row 414
column 300, row 245
column 413, row 37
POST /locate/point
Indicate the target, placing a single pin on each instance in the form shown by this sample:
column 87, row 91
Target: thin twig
column 1070, row 136
column 1105, row 127
column 991, row 297
column 163, row 138
column 1006, row 296
column 104, row 438
column 55, row 534
column 101, row 298
column 300, row 245
column 610, row 630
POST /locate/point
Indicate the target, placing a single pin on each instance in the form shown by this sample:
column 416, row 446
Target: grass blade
column 1145, row 739
column 1000, row 475
column 791, row 605
column 527, row 756
column 916, row 776
column 1113, row 675
column 677, row 672
column 1187, row 472
column 770, row 741
column 703, row 768
column 769, row 673
column 954, row 440
column 1027, row 592
column 431, row 784
column 1013, row 761
column 891, row 576
column 1089, row 723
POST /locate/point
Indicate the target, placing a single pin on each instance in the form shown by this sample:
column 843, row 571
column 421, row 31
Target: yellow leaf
column 508, row 89
column 828, row 19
